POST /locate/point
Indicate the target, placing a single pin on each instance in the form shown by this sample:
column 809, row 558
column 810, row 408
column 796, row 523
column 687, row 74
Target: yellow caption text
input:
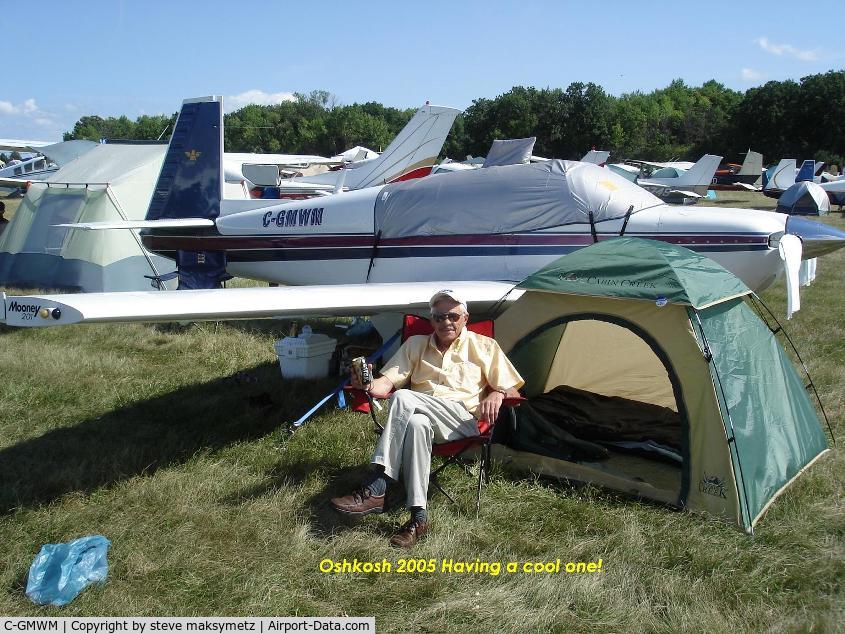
column 458, row 566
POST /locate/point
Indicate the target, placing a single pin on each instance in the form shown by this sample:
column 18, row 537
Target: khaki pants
column 414, row 421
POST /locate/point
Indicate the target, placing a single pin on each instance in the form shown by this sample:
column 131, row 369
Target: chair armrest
column 515, row 401
column 164, row 277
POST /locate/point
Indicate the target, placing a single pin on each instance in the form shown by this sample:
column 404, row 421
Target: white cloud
column 787, row 49
column 28, row 115
column 28, row 108
column 749, row 74
column 259, row 97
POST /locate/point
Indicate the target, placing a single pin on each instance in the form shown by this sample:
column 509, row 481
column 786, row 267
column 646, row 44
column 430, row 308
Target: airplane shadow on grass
column 149, row 435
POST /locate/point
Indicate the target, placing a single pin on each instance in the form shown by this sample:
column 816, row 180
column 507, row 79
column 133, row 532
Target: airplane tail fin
column 807, row 171
column 782, row 176
column 411, row 154
column 599, row 157
column 700, row 174
column 190, row 184
column 752, row 165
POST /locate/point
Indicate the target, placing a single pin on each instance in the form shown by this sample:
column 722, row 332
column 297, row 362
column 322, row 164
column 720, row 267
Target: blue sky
column 143, row 57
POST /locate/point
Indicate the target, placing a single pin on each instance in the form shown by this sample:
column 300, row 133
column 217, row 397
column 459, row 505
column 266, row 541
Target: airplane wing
column 747, row 186
column 25, row 146
column 649, row 163
column 13, row 183
column 246, row 303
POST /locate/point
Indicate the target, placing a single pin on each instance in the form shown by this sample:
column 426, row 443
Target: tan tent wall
column 670, row 328
column 614, row 363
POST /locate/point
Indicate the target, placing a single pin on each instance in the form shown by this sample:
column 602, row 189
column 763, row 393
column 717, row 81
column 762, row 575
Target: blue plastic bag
column 62, row 571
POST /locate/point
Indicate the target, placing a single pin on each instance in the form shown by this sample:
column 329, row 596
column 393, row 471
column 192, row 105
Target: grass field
column 148, row 435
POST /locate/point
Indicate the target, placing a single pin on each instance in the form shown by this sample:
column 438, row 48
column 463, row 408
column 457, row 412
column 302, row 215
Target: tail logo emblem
column 193, row 155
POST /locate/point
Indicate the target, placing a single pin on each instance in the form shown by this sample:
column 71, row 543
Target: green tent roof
column 633, row 268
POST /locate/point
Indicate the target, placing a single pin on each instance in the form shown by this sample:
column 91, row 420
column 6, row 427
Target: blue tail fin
column 190, row 184
column 807, row 171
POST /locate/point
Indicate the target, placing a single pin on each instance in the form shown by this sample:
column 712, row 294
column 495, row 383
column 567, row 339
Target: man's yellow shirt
column 472, row 363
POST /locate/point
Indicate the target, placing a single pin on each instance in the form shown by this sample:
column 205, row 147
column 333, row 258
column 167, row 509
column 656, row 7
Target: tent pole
column 708, row 354
column 123, row 216
column 756, row 298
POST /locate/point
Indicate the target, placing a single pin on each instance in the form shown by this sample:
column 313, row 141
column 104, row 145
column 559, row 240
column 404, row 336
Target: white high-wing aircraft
column 411, row 154
column 39, row 168
column 391, row 246
column 675, row 181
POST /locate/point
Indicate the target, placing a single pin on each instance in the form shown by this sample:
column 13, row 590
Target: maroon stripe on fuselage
column 219, row 242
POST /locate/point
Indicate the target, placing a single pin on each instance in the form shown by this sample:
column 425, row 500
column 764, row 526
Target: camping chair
column 452, row 451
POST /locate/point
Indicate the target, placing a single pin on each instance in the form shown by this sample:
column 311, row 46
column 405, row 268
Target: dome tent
column 804, row 199
column 639, row 325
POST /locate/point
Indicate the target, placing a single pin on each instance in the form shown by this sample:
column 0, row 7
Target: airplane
column 784, row 175
column 50, row 156
column 835, row 190
column 678, row 181
column 373, row 250
column 411, row 154
column 746, row 176
column 599, row 157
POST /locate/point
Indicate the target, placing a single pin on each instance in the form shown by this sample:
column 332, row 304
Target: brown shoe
column 359, row 502
column 411, row 532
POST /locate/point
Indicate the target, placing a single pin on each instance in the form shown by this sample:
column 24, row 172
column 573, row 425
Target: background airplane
column 748, row 176
column 411, row 154
column 679, row 181
column 784, row 175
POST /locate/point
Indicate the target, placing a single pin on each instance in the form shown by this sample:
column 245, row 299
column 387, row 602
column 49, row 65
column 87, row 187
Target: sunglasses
column 441, row 317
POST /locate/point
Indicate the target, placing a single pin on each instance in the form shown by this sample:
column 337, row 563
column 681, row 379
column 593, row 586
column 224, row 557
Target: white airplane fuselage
column 331, row 240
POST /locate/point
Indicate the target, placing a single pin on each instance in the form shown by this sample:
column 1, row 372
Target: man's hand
column 379, row 388
column 489, row 407
column 353, row 377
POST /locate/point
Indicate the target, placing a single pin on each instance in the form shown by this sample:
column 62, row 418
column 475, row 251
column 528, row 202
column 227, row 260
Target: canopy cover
column 634, row 268
column 508, row 199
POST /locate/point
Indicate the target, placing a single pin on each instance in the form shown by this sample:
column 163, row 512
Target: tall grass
column 151, row 436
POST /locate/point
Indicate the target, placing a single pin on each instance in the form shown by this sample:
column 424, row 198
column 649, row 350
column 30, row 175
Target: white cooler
column 306, row 356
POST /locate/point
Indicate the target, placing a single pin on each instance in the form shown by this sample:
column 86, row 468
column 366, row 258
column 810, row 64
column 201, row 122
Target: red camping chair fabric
column 451, row 451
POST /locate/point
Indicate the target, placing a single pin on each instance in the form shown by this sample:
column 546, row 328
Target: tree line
column 797, row 119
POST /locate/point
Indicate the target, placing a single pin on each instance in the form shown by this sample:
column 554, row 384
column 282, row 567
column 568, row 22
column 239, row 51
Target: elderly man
column 444, row 384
